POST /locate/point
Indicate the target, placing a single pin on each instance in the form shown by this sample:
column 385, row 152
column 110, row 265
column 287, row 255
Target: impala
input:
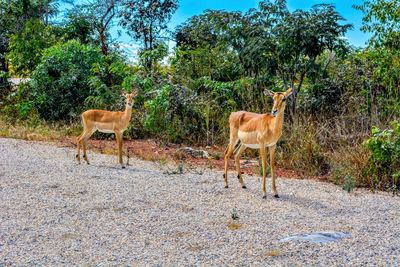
column 106, row 122
column 256, row 131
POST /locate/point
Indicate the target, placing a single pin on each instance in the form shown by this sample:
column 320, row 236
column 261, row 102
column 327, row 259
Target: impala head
column 279, row 100
column 130, row 97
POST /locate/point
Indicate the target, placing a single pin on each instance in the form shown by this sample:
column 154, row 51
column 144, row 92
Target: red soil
column 150, row 150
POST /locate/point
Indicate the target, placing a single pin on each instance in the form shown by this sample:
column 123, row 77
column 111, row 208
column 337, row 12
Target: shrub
column 107, row 83
column 60, row 84
column 384, row 159
column 158, row 117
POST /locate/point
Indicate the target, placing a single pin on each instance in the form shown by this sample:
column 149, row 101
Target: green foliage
column 154, row 55
column 384, row 160
column 218, row 63
column 382, row 18
column 60, row 84
column 17, row 104
column 78, row 26
column 106, row 83
column 26, row 48
column 157, row 117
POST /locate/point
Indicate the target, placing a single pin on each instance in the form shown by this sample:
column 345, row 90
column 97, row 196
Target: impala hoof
column 226, row 186
column 276, row 196
column 123, row 167
column 244, row 187
column 77, row 156
column 264, row 197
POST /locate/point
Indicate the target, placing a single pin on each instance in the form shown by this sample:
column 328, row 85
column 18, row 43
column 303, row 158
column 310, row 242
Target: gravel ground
column 55, row 212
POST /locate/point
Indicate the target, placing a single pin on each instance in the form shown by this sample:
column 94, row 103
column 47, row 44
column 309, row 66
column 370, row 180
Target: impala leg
column 85, row 137
column 264, row 168
column 119, row 138
column 228, row 154
column 238, row 154
column 272, row 159
column 78, row 149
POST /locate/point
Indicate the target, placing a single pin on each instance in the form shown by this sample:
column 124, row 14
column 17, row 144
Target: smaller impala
column 256, row 131
column 106, row 122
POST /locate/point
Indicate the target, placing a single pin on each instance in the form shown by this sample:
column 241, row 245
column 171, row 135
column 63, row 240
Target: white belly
column 250, row 139
column 256, row 146
column 104, row 127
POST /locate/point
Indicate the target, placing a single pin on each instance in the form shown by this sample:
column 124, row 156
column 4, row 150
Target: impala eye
column 284, row 99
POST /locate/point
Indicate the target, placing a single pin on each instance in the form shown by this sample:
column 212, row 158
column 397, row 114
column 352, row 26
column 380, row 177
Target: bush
column 61, row 82
column 107, row 83
column 384, row 159
column 26, row 48
column 172, row 113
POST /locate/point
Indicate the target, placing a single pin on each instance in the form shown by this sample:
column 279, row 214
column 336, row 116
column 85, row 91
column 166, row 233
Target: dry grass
column 273, row 253
column 234, row 226
column 301, row 150
column 330, row 149
column 38, row 131
column 349, row 161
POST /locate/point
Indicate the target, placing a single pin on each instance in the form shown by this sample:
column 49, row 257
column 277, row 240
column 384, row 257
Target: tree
column 93, row 17
column 25, row 49
column 208, row 29
column 382, row 18
column 146, row 21
column 203, row 46
column 302, row 36
column 13, row 16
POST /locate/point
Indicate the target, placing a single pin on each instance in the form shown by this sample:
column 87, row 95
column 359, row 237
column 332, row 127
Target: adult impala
column 256, row 131
column 106, row 122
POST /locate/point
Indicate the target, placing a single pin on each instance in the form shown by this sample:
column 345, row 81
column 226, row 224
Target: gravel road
column 55, row 212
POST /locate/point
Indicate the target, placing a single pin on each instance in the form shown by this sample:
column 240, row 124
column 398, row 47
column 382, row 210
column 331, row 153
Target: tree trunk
column 103, row 42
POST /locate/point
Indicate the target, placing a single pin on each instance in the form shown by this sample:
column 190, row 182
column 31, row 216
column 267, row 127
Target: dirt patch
column 150, row 150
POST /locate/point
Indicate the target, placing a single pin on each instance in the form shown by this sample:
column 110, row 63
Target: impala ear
column 288, row 92
column 268, row 93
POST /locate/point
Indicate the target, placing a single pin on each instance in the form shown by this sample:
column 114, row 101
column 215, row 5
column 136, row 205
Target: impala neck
column 128, row 113
column 278, row 120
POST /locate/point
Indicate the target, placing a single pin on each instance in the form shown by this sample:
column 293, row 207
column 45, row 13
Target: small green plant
column 234, row 214
column 349, row 183
column 180, row 168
